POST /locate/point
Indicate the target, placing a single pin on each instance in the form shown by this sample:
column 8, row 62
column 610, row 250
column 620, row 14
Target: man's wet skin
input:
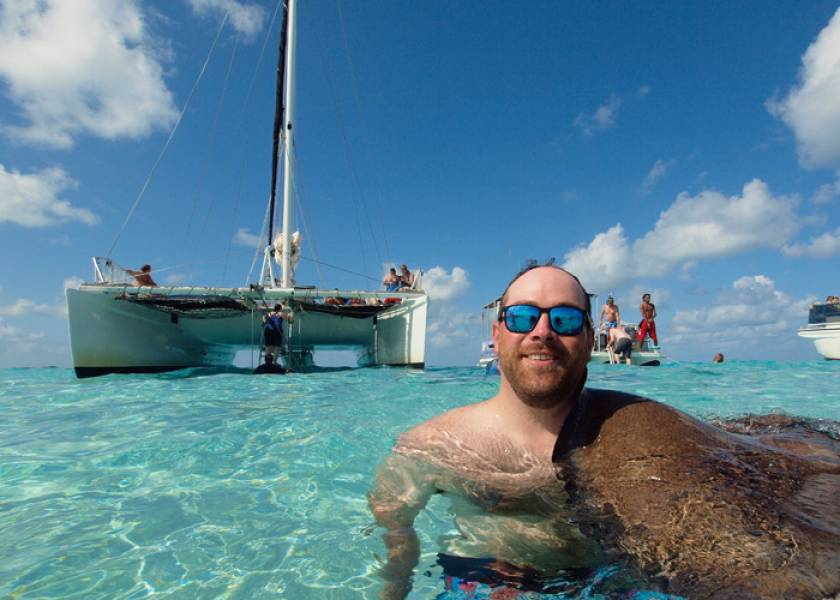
column 547, row 477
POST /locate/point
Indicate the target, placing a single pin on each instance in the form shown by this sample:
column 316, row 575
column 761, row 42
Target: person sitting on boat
column 610, row 315
column 269, row 367
column 620, row 345
column 406, row 278
column 143, row 277
column 273, row 331
column 391, row 281
column 647, row 326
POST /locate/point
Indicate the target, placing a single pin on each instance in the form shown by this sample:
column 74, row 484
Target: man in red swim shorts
column 647, row 326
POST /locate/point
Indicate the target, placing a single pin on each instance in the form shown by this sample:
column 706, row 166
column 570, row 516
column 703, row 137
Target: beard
column 543, row 387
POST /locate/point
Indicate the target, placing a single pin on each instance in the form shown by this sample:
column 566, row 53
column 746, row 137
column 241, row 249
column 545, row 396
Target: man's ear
column 495, row 332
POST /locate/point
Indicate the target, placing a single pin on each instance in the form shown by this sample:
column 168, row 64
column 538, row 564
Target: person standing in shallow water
column 548, row 478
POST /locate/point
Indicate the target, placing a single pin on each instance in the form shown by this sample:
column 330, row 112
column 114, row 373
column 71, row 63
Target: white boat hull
column 826, row 338
column 643, row 358
column 112, row 331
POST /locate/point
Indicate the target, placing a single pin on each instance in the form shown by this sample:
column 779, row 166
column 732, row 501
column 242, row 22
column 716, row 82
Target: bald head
column 549, row 274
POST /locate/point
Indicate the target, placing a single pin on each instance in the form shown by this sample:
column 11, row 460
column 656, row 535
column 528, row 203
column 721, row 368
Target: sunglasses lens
column 521, row 318
column 566, row 320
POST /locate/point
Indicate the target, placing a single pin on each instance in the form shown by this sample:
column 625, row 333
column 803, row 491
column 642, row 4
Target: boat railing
column 107, row 272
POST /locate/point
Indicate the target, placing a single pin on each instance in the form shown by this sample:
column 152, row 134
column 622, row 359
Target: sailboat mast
column 286, row 268
column 278, row 122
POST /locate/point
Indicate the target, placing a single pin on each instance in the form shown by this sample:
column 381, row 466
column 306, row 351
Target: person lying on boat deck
column 718, row 358
column 610, row 315
column 548, row 478
column 620, row 345
column 647, row 326
column 391, row 280
column 406, row 278
column 273, row 330
column 269, row 367
column 143, row 277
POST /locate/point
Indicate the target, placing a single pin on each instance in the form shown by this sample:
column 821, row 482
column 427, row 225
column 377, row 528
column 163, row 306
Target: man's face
column 541, row 366
column 646, row 298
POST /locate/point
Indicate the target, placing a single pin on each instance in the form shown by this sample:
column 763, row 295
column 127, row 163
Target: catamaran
column 119, row 327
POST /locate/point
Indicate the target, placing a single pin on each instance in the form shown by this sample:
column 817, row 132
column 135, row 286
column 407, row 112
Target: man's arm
column 403, row 486
column 652, row 312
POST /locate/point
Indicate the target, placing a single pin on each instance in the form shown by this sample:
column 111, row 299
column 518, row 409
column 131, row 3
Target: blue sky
column 687, row 149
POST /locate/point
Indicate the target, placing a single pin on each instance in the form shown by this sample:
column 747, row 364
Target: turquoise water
column 199, row 484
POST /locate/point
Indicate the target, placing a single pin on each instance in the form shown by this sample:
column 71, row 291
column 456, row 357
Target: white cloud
column 245, row 18
column 656, row 173
column 605, row 263
column 752, row 308
column 9, row 333
column 643, row 91
column 811, row 109
column 243, row 237
column 81, row 67
column 25, row 306
column 450, row 327
column 31, row 200
column 827, row 192
column 174, row 278
column 708, row 225
column 72, row 282
column 440, row 285
column 824, row 246
column 601, row 119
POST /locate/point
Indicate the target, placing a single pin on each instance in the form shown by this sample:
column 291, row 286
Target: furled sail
column 295, row 246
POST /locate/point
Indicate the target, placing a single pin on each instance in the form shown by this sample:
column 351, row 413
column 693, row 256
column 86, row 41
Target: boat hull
column 644, row 358
column 826, row 338
column 113, row 329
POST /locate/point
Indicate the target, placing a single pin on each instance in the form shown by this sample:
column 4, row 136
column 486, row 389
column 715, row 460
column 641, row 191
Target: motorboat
column 823, row 329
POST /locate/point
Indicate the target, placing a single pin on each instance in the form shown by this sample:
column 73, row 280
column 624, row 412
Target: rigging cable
column 171, row 136
column 239, row 121
column 258, row 248
column 211, row 143
column 354, row 175
column 299, row 193
column 365, row 139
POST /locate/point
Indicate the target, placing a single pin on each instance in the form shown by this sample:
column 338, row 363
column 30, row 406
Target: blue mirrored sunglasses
column 522, row 318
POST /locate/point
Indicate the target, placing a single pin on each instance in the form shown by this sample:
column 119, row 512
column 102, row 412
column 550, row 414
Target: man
column 610, row 315
column 269, row 367
column 406, row 278
column 391, row 281
column 549, row 478
column 620, row 345
column 647, row 325
column 143, row 277
column 273, row 331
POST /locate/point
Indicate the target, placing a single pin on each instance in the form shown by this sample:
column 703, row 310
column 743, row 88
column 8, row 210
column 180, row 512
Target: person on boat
column 273, row 331
column 610, row 315
column 391, row 281
column 406, row 278
column 647, row 326
column 548, row 478
column 269, row 367
column 718, row 358
column 620, row 345
column 143, row 277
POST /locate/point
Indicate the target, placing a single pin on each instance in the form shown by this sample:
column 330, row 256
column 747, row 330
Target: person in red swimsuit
column 647, row 326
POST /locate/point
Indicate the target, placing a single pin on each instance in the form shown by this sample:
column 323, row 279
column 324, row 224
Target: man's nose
column 543, row 327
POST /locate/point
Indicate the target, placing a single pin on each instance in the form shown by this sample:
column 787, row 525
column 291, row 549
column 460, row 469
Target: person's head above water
column 543, row 336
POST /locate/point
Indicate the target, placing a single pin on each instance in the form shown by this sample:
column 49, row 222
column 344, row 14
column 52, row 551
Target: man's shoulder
column 446, row 425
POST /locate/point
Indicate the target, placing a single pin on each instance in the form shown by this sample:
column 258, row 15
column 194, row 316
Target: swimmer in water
column 549, row 478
